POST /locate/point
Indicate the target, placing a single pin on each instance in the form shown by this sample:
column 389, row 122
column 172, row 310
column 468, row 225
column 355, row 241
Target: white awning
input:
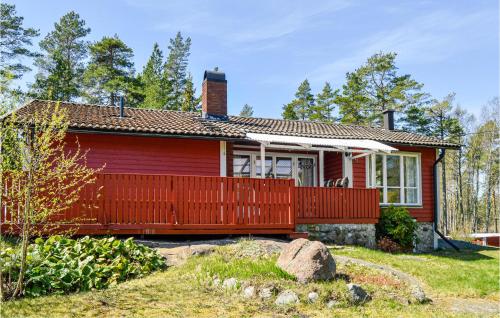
column 312, row 143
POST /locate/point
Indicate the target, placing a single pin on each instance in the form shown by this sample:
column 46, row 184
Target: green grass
column 188, row 291
column 449, row 273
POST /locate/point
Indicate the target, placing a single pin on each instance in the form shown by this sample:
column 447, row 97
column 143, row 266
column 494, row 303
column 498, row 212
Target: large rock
column 307, row 261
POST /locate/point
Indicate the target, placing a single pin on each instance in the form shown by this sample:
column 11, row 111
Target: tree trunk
column 460, row 192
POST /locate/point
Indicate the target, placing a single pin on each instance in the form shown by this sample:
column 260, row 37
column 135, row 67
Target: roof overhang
column 326, row 144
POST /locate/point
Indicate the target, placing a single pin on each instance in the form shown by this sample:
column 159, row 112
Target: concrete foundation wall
column 425, row 235
column 342, row 234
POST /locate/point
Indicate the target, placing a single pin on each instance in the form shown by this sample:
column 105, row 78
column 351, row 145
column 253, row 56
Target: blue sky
column 267, row 48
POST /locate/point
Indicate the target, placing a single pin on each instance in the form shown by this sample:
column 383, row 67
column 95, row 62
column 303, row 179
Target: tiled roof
column 106, row 118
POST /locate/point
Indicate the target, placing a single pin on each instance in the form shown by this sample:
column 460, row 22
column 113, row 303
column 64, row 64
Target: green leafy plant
column 397, row 224
column 62, row 265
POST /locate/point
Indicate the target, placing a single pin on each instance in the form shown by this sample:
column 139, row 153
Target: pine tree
column 246, row 111
column 289, row 110
column 62, row 65
column 110, row 72
column 175, row 68
column 305, row 100
column 151, row 79
column 190, row 103
column 375, row 87
column 301, row 107
column 15, row 42
column 325, row 104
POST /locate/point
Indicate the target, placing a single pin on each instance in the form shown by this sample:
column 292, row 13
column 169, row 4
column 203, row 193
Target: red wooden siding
column 333, row 165
column 336, row 205
column 425, row 213
column 134, row 154
column 359, row 172
column 229, row 158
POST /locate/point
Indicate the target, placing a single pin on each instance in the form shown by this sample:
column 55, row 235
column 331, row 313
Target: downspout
column 436, row 202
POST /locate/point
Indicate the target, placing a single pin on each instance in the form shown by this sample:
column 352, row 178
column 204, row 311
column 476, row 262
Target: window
column 397, row 176
column 242, row 166
column 302, row 168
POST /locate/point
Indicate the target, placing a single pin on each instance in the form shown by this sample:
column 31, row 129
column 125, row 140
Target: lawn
column 188, row 290
column 447, row 273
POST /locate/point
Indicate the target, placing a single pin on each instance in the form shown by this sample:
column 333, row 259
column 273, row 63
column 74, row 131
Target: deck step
column 296, row 235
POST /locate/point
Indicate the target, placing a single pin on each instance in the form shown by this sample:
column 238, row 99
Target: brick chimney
column 388, row 119
column 214, row 96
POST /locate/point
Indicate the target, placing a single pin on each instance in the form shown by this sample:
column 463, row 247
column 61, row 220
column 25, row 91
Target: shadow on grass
column 465, row 254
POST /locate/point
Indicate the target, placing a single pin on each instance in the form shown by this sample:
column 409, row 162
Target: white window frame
column 401, row 154
column 295, row 164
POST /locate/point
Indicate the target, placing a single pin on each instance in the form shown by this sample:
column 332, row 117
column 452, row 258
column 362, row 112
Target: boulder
column 357, row 294
column 287, row 297
column 307, row 261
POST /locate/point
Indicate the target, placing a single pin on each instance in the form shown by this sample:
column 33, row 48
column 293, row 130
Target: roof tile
column 136, row 120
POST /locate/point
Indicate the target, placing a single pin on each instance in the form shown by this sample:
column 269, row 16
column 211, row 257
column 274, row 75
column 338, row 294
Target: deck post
column 321, row 168
column 262, row 161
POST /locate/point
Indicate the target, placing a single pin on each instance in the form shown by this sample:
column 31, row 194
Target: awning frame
column 303, row 143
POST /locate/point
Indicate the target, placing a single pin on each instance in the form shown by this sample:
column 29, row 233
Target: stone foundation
column 341, row 234
column 425, row 235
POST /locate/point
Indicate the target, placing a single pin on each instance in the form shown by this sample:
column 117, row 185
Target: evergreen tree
column 190, row 103
column 109, row 74
column 325, row 104
column 15, row 42
column 375, row 87
column 301, row 107
column 152, row 80
column 289, row 110
column 246, row 111
column 175, row 77
column 61, row 66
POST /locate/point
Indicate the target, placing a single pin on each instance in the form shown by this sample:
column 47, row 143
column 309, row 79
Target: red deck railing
column 336, row 205
column 169, row 204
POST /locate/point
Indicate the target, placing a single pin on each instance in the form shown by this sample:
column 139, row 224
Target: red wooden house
column 180, row 172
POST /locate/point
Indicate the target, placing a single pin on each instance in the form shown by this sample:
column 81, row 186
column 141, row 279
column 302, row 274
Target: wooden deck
column 170, row 204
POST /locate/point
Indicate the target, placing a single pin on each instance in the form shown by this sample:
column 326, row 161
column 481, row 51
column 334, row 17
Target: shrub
column 61, row 265
column 396, row 224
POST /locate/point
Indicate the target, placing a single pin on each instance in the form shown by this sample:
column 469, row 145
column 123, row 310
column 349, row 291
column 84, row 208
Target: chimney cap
column 214, row 76
column 389, row 111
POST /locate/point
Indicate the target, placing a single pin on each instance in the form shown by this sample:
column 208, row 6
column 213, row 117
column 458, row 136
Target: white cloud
column 428, row 38
column 232, row 25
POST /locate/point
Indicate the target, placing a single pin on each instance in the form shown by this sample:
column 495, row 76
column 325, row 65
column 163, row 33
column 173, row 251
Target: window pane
column 306, row 172
column 379, row 170
column 269, row 167
column 393, row 195
column 411, row 196
column 241, row 166
column 393, row 171
column 381, row 191
column 283, row 168
column 410, row 168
